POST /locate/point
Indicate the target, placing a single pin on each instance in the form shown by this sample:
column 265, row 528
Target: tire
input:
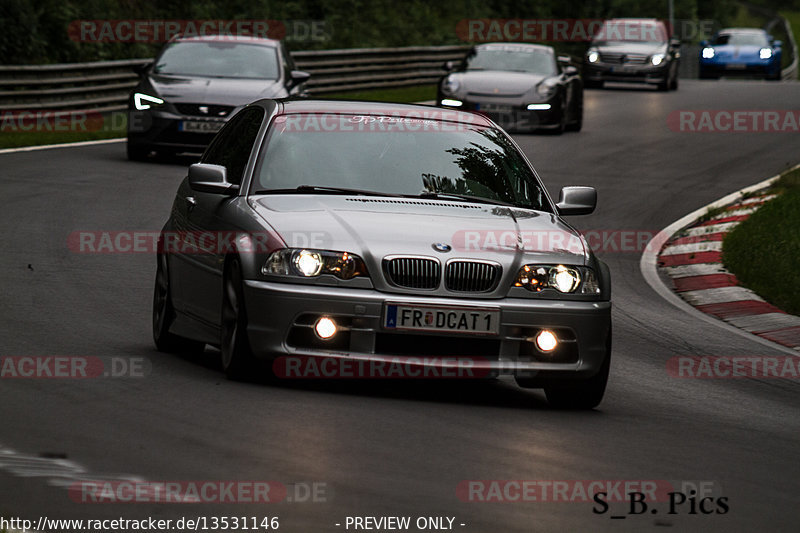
column 578, row 123
column 236, row 355
column 136, row 152
column 581, row 394
column 164, row 315
column 674, row 85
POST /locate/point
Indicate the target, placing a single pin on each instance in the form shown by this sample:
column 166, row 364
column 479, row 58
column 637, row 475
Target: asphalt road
column 395, row 449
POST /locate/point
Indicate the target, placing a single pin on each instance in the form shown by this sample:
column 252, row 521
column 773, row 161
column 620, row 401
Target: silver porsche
column 367, row 234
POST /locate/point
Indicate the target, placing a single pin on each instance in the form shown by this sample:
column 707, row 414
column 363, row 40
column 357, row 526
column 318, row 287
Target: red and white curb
column 689, row 254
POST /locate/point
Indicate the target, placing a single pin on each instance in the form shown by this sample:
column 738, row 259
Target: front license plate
column 199, row 127
column 737, row 66
column 494, row 108
column 449, row 319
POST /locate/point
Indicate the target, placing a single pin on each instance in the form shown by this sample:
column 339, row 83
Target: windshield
column 395, row 156
column 513, row 58
column 631, row 32
column 741, row 39
column 218, row 60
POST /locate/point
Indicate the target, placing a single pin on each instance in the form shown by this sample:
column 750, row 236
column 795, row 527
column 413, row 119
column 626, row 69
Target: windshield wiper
column 466, row 197
column 325, row 189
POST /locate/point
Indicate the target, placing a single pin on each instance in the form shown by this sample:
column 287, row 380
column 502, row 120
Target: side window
column 232, row 147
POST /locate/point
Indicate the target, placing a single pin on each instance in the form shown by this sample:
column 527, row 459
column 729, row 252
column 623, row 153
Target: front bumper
column 625, row 73
column 281, row 317
column 513, row 117
column 733, row 68
column 163, row 130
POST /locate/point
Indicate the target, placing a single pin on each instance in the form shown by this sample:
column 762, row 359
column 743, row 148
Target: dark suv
column 197, row 83
column 632, row 50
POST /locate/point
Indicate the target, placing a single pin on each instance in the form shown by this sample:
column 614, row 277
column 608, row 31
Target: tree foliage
column 35, row 31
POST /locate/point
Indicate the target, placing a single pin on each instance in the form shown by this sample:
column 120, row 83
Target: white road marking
column 699, row 269
column 765, row 321
column 720, row 295
column 62, row 145
column 693, row 248
column 700, row 231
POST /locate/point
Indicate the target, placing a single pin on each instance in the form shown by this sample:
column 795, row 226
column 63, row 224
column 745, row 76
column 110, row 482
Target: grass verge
column 764, row 250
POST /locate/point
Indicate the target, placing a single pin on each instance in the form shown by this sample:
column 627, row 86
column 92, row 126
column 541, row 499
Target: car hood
column 220, row 91
column 375, row 227
column 616, row 47
column 497, row 83
column 732, row 51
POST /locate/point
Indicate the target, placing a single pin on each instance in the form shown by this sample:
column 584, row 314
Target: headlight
column 708, row 53
column 765, row 53
column 143, row 101
column 564, row 279
column 313, row 263
column 545, row 89
column 449, row 102
column 592, row 56
column 657, row 59
column 450, row 85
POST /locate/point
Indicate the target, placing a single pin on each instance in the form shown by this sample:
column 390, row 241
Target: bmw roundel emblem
column 442, row 247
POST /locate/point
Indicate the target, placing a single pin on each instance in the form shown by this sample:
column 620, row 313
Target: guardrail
column 101, row 86
column 104, row 86
column 375, row 68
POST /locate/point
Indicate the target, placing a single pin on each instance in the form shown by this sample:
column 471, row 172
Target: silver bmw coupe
column 361, row 235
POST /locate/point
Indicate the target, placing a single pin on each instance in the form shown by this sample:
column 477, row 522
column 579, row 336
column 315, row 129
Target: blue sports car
column 741, row 52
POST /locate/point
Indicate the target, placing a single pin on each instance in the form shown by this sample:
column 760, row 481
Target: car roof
column 648, row 20
column 542, row 47
column 741, row 30
column 356, row 107
column 246, row 39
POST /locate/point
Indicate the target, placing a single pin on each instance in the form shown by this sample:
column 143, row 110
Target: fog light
column 546, row 340
column 325, row 328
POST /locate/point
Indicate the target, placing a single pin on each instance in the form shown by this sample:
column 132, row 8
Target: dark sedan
column 197, row 83
column 632, row 50
column 521, row 87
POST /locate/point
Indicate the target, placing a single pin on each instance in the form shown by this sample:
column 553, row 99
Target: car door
column 209, row 229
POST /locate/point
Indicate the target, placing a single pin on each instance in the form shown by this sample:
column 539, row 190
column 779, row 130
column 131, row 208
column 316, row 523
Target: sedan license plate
column 737, row 66
column 442, row 319
column 200, row 127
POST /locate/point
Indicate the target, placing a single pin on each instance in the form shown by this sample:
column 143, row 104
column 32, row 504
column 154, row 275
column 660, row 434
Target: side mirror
column 569, row 70
column 211, row 178
column 298, row 76
column 675, row 43
column 577, row 200
column 450, row 66
column 703, row 43
column 777, row 44
column 142, row 69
